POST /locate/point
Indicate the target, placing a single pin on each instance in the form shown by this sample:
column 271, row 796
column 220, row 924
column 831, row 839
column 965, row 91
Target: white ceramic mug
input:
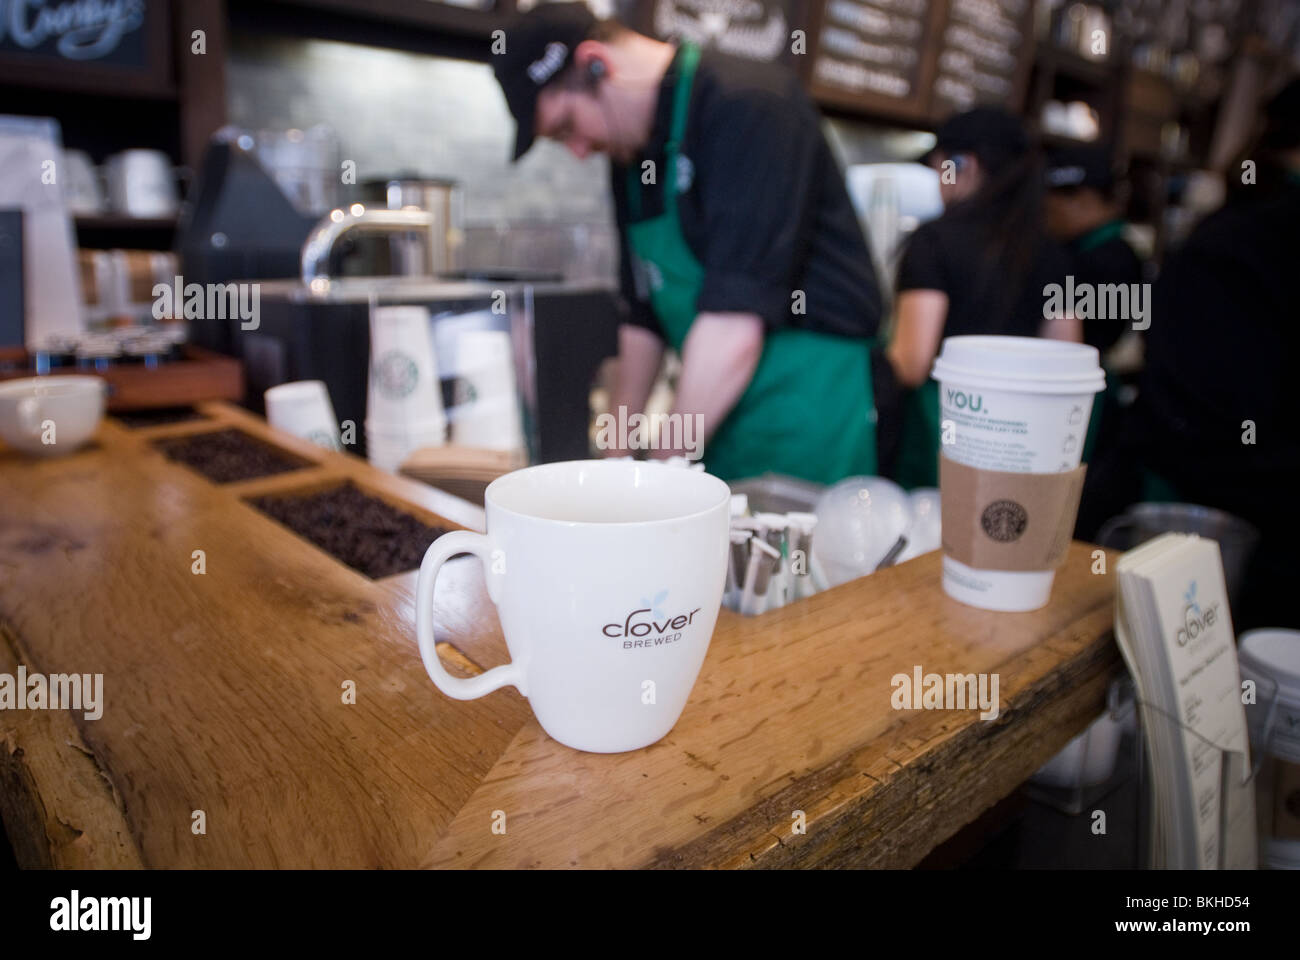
column 141, row 183
column 50, row 416
column 608, row 577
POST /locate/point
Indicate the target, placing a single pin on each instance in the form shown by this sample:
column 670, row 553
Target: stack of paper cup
column 1017, row 405
column 488, row 414
column 404, row 401
column 303, row 408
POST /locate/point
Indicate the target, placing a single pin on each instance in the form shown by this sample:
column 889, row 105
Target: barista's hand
column 719, row 357
column 1062, row 328
column 639, row 355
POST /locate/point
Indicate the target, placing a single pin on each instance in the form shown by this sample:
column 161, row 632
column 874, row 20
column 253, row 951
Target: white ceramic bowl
column 50, row 416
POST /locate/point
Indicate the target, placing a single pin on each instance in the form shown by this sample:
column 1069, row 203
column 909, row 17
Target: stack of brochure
column 1174, row 629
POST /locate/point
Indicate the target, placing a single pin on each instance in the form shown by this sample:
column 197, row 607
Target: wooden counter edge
column 60, row 810
column 59, row 807
column 878, row 819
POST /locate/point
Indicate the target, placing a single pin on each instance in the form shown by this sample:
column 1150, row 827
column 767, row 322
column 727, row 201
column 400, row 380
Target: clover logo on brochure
column 1195, row 621
column 648, row 625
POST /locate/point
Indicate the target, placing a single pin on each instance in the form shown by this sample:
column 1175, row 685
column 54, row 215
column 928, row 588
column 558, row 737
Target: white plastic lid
column 1029, row 364
column 1273, row 653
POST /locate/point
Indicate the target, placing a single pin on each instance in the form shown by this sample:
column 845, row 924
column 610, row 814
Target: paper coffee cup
column 303, row 409
column 489, row 425
column 1017, row 405
column 404, row 383
column 389, row 446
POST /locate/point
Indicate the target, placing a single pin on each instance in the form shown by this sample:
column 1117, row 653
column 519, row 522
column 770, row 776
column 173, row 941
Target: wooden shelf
column 434, row 17
column 113, row 231
column 107, row 84
column 1067, row 63
column 200, row 375
column 1060, row 140
column 115, row 221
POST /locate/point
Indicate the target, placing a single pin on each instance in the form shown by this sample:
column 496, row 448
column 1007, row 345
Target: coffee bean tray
column 230, row 455
column 368, row 534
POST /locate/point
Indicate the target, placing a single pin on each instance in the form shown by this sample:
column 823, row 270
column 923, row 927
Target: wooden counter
column 224, row 694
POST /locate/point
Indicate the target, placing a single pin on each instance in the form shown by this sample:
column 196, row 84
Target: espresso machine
column 398, row 245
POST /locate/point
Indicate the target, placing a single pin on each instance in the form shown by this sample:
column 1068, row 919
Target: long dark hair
column 1007, row 209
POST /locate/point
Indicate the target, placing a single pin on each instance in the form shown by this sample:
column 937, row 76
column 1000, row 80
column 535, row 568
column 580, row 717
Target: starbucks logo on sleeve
column 397, row 374
column 322, row 438
column 1004, row 520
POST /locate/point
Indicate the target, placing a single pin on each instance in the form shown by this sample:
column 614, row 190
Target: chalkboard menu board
column 981, row 54
column 120, row 46
column 919, row 60
column 870, row 54
column 750, row 29
column 75, row 31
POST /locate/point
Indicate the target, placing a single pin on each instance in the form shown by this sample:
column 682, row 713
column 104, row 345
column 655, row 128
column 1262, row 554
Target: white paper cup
column 303, row 409
column 489, row 425
column 388, row 446
column 484, row 358
column 404, row 384
column 1018, row 405
column 429, row 432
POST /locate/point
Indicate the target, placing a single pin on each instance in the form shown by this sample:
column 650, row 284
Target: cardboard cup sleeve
column 994, row 520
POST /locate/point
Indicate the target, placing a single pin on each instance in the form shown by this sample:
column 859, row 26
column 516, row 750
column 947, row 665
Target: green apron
column 918, row 454
column 1107, row 232
column 808, row 410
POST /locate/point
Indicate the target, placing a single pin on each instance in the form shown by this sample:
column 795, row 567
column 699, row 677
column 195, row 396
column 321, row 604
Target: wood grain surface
column 223, row 693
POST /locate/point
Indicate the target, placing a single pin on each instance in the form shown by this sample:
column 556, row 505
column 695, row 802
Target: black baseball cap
column 1079, row 167
column 995, row 136
column 539, row 45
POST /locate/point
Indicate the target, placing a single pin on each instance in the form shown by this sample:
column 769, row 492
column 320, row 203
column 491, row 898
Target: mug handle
column 439, row 552
column 29, row 416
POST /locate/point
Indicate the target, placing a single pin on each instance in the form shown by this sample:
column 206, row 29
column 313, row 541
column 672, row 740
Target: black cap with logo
column 538, row 46
column 1072, row 167
column 995, row 136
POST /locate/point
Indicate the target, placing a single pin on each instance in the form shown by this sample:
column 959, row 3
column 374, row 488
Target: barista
column 1084, row 213
column 740, row 248
column 1215, row 418
column 980, row 268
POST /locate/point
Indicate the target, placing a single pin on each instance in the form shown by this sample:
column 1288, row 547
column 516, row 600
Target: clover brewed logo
column 648, row 625
column 1195, row 620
